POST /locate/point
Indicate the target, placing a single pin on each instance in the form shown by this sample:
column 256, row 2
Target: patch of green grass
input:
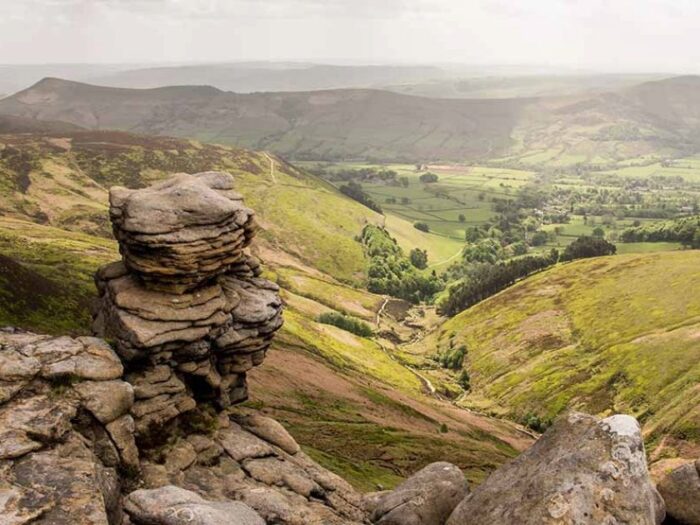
column 346, row 351
column 342, row 298
column 46, row 282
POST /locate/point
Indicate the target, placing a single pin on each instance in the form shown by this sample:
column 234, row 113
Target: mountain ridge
column 660, row 117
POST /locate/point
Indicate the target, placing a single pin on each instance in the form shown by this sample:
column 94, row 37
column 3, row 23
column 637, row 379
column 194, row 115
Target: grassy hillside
column 614, row 334
column 61, row 179
column 653, row 119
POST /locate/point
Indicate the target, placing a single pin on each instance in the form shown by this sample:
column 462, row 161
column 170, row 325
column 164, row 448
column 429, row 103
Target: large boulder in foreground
column 426, row 498
column 582, row 471
column 680, row 489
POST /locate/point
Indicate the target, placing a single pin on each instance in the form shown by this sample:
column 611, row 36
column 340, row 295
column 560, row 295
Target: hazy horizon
column 617, row 36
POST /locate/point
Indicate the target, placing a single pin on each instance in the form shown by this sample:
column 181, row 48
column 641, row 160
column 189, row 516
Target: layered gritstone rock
column 186, row 307
column 62, row 457
column 245, row 457
column 183, row 231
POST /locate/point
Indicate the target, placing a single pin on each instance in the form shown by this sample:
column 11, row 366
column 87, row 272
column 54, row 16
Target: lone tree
column 421, row 226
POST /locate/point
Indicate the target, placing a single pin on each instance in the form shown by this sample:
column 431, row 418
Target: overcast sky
column 645, row 35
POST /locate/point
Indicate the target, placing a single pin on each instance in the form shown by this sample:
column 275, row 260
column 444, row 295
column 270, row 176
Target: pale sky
column 613, row 35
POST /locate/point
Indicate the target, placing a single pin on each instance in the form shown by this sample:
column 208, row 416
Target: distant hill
column 520, row 85
column 658, row 118
column 604, row 335
column 319, row 124
column 255, row 77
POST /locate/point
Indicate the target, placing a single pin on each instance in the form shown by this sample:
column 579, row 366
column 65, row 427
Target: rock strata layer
column 186, row 307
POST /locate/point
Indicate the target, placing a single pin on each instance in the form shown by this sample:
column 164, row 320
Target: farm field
column 688, row 168
column 463, row 196
column 460, row 190
column 565, row 234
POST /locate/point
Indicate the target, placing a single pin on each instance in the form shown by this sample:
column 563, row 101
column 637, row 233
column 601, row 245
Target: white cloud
column 611, row 34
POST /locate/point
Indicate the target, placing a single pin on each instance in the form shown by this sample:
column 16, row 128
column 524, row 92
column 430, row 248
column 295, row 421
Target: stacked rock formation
column 186, row 307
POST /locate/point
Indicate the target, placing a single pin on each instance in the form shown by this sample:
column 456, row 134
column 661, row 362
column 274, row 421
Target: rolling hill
column 658, row 118
column 319, row 124
column 255, row 77
column 604, row 335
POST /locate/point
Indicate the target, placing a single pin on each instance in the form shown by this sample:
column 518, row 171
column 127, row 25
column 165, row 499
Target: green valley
column 612, row 334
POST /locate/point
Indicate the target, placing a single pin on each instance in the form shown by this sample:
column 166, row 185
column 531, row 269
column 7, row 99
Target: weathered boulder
column 269, row 430
column 581, row 471
column 106, row 400
column 426, row 498
column 680, row 490
column 175, row 506
column 48, row 382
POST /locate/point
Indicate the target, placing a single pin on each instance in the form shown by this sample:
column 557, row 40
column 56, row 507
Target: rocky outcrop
column 231, row 461
column 581, row 471
column 58, row 460
column 426, row 498
column 186, row 307
column 180, row 233
column 680, row 489
column 83, row 424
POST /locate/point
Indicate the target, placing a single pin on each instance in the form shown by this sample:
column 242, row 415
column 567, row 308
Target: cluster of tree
column 394, row 200
column 349, row 324
column 484, row 280
column 353, row 190
column 585, row 247
column 422, row 226
column 391, row 272
column 428, row 178
column 452, row 358
column 367, row 174
column 418, row 258
column 685, row 230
